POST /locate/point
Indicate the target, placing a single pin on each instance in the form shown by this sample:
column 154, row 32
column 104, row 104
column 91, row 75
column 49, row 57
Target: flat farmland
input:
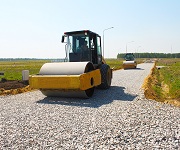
column 13, row 69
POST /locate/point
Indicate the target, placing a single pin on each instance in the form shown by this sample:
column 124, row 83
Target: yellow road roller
column 83, row 69
column 129, row 62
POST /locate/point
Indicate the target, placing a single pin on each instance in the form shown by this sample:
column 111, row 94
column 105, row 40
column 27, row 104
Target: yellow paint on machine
column 129, row 66
column 75, row 82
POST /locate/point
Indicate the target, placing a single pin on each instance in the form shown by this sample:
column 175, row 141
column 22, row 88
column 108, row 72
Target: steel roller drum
column 67, row 68
column 129, row 62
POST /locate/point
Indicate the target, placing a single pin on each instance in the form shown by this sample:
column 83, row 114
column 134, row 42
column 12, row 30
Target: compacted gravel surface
column 118, row 118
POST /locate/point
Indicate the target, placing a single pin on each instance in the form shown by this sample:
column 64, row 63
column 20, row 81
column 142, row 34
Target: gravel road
column 118, row 118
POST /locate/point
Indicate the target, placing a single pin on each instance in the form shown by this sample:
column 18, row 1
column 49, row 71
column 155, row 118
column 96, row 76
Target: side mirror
column 62, row 40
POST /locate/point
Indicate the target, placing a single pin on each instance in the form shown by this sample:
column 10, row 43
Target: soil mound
column 11, row 87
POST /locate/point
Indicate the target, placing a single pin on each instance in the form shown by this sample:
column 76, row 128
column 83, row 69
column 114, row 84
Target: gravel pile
column 118, row 118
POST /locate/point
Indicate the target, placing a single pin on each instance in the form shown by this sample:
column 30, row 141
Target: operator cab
column 82, row 46
column 129, row 57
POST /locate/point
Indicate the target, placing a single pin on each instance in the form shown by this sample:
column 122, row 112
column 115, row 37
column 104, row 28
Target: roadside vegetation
column 13, row 69
column 115, row 64
column 164, row 83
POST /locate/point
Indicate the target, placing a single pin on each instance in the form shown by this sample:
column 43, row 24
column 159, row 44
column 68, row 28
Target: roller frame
column 66, row 82
column 129, row 64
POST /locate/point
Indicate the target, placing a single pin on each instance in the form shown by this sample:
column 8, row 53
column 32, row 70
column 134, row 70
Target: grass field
column 169, row 78
column 114, row 63
column 13, row 69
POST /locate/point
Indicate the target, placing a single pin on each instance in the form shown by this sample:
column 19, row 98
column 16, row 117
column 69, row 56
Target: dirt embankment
column 148, row 83
column 13, row 87
column 152, row 81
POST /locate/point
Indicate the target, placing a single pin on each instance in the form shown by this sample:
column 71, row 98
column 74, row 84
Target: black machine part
column 106, row 76
column 129, row 57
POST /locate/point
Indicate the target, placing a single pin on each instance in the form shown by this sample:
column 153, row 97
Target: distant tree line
column 152, row 55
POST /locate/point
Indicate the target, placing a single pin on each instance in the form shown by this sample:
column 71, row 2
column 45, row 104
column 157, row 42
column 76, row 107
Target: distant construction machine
column 83, row 70
column 129, row 62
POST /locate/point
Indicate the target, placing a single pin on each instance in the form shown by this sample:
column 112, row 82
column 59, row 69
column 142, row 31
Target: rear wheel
column 105, row 77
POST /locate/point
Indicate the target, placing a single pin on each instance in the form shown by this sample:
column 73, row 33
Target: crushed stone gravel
column 117, row 118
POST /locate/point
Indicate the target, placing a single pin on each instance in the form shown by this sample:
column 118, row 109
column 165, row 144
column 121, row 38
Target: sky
column 33, row 28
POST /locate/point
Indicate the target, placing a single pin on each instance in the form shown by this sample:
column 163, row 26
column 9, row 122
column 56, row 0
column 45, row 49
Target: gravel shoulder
column 118, row 118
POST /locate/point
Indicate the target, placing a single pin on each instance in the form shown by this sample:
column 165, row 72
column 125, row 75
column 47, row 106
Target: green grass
column 114, row 63
column 157, row 86
column 169, row 75
column 13, row 69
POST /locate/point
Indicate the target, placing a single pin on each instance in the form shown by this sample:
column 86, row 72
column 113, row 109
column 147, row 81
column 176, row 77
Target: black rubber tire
column 106, row 77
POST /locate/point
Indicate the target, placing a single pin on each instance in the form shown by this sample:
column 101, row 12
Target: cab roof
column 88, row 32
